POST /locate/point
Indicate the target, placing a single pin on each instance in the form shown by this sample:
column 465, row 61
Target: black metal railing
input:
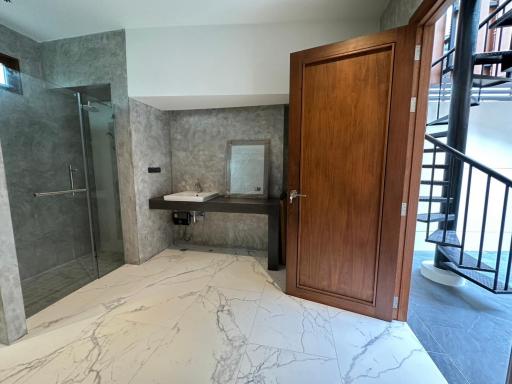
column 497, row 262
column 442, row 91
column 497, row 43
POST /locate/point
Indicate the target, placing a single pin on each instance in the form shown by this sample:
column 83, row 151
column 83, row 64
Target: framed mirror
column 247, row 168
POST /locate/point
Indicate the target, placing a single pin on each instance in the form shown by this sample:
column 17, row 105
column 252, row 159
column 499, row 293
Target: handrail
column 481, row 25
column 465, row 158
column 494, row 13
column 441, row 59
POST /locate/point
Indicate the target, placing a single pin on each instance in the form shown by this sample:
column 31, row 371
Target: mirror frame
column 266, row 171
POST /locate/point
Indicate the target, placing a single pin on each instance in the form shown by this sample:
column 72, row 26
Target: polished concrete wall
column 151, row 148
column 41, row 138
column 101, row 59
column 198, row 142
column 40, row 135
column 12, row 312
column 398, row 13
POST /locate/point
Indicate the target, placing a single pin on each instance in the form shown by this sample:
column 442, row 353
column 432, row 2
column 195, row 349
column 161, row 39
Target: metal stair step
column 431, row 150
column 434, row 217
column 451, row 239
column 468, row 261
column 435, row 199
column 498, row 57
column 438, row 135
column 436, row 166
column 504, row 20
column 441, row 121
column 478, row 278
column 435, row 182
column 485, row 81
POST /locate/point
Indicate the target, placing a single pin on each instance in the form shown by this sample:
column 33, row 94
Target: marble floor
column 204, row 317
column 466, row 330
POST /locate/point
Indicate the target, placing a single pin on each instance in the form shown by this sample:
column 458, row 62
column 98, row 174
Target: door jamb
column 423, row 20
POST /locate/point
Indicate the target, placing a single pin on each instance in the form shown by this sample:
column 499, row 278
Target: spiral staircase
column 449, row 174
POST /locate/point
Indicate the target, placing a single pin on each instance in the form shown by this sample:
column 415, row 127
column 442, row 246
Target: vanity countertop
column 220, row 204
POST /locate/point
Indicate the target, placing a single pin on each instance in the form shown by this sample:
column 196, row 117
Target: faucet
column 197, row 187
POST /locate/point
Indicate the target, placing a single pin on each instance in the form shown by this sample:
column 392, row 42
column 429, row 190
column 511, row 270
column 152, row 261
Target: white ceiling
column 45, row 20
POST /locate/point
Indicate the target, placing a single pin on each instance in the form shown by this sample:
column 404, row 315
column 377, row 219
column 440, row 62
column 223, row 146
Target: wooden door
column 350, row 106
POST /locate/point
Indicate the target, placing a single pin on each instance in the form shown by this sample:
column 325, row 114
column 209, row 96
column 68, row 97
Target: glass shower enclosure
column 59, row 159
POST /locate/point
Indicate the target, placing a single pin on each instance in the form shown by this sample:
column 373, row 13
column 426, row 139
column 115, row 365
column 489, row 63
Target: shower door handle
column 71, row 171
column 60, row 193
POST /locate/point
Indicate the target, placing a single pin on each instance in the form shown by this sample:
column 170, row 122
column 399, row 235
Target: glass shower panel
column 100, row 142
column 41, row 137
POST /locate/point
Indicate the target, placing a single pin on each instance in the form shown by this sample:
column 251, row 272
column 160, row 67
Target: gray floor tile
column 448, row 368
column 472, row 326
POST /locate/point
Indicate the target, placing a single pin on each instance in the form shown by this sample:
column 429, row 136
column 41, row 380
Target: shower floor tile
column 205, row 317
column 49, row 287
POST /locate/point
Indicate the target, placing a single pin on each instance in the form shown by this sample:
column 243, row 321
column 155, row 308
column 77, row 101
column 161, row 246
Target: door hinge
column 403, row 210
column 417, row 53
column 395, row 302
column 413, row 104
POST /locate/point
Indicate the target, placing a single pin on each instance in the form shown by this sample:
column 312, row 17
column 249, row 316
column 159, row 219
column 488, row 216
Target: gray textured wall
column 41, row 137
column 101, row 59
column 12, row 312
column 198, row 142
column 151, row 148
column 398, row 13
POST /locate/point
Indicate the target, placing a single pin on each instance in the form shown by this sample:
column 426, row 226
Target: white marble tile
column 97, row 351
column 209, row 342
column 374, row 351
column 161, row 304
column 241, row 272
column 291, row 323
column 264, row 365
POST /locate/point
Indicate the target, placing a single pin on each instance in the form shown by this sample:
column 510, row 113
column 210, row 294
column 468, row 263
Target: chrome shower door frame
column 87, row 185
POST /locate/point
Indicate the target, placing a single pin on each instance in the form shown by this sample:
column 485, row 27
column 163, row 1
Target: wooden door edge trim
column 426, row 15
column 350, row 305
column 429, row 11
column 336, row 296
column 356, row 51
column 351, row 45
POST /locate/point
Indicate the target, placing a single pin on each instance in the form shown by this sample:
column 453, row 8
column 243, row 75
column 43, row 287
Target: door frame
column 423, row 22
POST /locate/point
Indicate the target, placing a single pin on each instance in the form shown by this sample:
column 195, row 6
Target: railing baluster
column 439, row 93
column 499, row 48
column 484, row 221
column 509, row 266
column 450, row 164
column 500, row 241
column 434, row 154
column 466, row 210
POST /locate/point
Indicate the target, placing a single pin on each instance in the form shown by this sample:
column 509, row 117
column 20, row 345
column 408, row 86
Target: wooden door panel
column 349, row 114
column 342, row 167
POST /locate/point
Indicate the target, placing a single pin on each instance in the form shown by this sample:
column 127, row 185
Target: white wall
column 223, row 66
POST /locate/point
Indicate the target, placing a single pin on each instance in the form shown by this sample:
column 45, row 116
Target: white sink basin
column 191, row 196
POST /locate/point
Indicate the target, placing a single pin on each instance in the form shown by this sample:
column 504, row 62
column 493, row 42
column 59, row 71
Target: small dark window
column 10, row 78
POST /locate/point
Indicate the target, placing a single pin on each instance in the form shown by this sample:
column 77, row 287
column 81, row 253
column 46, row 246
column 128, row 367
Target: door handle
column 294, row 194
